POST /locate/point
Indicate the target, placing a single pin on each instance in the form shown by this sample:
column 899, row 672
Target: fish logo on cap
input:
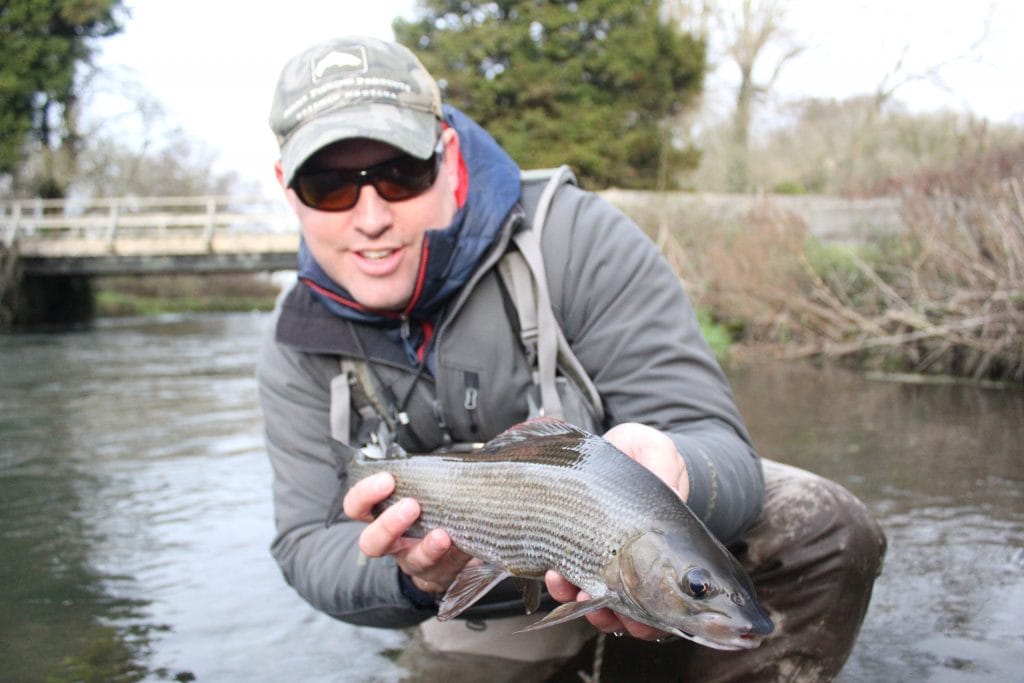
column 350, row 60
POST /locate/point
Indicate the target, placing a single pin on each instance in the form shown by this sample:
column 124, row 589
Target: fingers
column 366, row 493
column 384, row 536
column 607, row 621
column 433, row 562
column 604, row 620
column 559, row 588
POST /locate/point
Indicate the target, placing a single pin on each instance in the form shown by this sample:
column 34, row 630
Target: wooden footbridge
column 49, row 248
column 133, row 235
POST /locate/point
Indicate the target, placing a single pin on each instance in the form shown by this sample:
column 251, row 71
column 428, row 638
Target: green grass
column 717, row 335
column 153, row 295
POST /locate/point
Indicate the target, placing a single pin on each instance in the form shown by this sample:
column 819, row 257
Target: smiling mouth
column 376, row 254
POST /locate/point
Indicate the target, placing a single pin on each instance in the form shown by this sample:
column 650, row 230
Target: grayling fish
column 546, row 495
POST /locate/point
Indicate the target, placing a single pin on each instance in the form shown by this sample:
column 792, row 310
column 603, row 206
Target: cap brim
column 412, row 131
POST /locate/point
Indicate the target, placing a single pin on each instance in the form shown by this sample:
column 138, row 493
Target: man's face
column 374, row 249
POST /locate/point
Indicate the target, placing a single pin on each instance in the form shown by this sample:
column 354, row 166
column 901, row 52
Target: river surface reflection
column 135, row 500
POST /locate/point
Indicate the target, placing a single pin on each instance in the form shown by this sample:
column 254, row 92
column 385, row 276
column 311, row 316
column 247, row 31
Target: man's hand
column 655, row 451
column 432, row 562
column 658, row 453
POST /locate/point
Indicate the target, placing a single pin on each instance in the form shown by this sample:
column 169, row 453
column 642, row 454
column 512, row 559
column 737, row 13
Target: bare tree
column 748, row 30
column 748, row 34
column 865, row 138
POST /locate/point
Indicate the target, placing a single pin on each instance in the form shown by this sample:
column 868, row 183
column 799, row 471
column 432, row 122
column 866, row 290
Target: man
column 400, row 324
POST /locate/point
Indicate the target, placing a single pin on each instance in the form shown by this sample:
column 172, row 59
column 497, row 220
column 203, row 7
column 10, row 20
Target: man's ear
column 279, row 173
column 452, row 155
column 288, row 195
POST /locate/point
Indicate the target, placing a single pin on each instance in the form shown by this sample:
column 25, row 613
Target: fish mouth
column 721, row 637
column 740, row 641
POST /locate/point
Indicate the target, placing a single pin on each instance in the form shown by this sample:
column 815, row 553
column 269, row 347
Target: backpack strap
column 525, row 279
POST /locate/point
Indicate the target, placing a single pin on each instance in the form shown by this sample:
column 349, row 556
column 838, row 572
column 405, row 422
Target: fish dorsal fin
column 537, row 428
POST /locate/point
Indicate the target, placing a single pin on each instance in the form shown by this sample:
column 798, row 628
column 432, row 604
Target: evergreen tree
column 591, row 83
column 42, row 44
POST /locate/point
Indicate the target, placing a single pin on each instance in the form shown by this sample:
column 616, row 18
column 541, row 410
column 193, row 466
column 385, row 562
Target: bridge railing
column 97, row 225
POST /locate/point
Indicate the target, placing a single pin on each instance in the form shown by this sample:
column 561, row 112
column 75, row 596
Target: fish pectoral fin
column 570, row 611
column 531, row 593
column 470, row 585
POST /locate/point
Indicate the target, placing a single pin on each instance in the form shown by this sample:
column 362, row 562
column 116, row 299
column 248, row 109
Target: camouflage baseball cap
column 354, row 87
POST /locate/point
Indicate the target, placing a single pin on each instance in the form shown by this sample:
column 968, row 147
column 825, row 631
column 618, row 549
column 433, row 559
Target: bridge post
column 12, row 230
column 211, row 214
column 112, row 227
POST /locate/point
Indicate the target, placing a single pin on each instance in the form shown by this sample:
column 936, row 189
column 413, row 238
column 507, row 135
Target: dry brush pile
column 943, row 295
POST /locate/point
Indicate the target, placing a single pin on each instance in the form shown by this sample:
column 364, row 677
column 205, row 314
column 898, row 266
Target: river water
column 134, row 495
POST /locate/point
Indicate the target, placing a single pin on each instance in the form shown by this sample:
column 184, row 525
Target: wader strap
column 351, row 390
column 519, row 283
column 341, row 400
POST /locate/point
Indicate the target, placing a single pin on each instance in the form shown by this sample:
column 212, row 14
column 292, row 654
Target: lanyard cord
column 399, row 417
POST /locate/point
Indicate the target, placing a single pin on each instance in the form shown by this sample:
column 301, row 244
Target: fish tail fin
column 344, row 456
column 337, row 509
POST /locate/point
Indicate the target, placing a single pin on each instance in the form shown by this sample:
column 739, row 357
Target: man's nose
column 371, row 214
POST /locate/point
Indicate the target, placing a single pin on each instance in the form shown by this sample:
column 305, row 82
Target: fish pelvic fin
column 531, row 593
column 472, row 583
column 571, row 610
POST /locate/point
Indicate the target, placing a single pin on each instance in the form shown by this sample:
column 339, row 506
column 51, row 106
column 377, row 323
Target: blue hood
column 454, row 252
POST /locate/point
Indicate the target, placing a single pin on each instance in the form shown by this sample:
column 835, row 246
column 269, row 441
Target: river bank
column 120, row 297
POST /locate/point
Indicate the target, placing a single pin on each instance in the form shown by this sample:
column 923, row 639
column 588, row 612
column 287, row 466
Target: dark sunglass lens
column 326, row 191
column 341, row 198
column 406, row 177
column 395, row 190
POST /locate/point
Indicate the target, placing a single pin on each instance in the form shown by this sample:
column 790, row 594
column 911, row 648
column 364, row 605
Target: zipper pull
column 471, row 397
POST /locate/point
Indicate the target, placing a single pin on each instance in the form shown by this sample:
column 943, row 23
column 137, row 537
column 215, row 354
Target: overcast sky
column 213, row 63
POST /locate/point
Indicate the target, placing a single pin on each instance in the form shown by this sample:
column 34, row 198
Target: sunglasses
column 396, row 179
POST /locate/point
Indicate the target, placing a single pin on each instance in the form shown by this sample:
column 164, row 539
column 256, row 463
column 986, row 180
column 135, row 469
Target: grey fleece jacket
column 629, row 323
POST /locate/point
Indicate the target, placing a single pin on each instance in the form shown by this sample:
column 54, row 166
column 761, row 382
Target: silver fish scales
column 547, row 495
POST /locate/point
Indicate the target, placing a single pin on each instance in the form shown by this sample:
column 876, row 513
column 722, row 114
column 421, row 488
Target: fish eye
column 697, row 582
